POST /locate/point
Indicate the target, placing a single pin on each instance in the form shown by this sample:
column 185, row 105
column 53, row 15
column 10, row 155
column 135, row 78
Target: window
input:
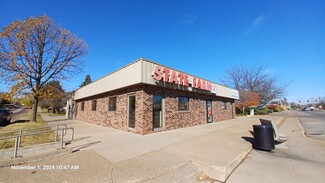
column 183, row 103
column 224, row 105
column 112, row 104
column 82, row 106
column 131, row 115
column 93, row 105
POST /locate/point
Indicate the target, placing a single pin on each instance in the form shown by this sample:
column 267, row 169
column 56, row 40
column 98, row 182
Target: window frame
column 110, row 104
column 180, row 107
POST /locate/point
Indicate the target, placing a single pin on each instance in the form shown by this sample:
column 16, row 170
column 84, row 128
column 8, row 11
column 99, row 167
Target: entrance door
column 157, row 111
column 209, row 111
column 131, row 111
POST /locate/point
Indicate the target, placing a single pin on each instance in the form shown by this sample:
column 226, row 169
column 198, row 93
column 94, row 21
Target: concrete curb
column 222, row 173
column 38, row 157
column 22, row 151
column 280, row 122
column 301, row 128
column 140, row 168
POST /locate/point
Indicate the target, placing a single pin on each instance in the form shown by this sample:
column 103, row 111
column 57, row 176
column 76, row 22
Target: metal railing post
column 20, row 133
column 61, row 140
column 56, row 134
column 72, row 134
column 16, row 146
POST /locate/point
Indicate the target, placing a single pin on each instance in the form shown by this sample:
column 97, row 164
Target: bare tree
column 35, row 50
column 255, row 79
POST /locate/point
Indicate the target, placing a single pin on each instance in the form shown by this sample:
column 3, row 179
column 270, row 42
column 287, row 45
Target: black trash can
column 264, row 137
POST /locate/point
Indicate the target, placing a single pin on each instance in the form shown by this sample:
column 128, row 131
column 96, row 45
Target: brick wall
column 173, row 118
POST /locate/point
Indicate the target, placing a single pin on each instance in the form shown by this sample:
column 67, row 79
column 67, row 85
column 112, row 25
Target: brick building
column 144, row 97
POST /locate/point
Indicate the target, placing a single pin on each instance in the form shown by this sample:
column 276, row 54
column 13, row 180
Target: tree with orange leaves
column 36, row 50
column 247, row 99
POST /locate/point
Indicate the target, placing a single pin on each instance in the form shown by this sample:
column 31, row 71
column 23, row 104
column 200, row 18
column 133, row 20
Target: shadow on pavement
column 78, row 148
column 57, row 120
column 20, row 121
column 81, row 138
column 249, row 139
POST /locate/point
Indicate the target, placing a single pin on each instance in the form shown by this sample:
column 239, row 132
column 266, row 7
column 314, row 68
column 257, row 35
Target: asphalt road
column 16, row 113
column 313, row 123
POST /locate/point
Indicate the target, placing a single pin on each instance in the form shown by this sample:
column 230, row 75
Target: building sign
column 214, row 88
column 234, row 94
column 174, row 77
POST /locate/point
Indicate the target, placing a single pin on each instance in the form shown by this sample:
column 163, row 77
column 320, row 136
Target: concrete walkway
column 300, row 159
column 216, row 149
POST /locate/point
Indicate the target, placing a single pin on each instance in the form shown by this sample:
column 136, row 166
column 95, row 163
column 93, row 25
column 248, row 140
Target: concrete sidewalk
column 216, row 149
column 300, row 159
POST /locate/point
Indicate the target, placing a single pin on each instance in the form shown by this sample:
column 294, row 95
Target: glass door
column 131, row 114
column 209, row 111
column 157, row 111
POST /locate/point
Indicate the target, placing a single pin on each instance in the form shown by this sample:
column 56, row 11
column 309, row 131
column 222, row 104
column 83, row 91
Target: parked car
column 5, row 116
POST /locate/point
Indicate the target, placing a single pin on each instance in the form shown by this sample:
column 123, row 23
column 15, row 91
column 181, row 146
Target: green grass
column 27, row 140
column 62, row 113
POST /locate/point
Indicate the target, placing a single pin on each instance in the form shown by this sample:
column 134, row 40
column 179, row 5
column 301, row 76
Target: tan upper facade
column 144, row 71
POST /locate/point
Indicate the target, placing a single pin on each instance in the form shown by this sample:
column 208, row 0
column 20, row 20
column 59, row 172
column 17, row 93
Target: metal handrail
column 30, row 129
column 18, row 137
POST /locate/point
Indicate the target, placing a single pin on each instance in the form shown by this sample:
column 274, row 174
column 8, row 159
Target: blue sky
column 199, row 37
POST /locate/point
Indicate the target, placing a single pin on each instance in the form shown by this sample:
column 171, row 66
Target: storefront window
column 183, row 103
column 112, row 104
column 93, row 105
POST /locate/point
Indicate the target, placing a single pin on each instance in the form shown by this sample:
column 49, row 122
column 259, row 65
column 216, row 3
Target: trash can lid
column 262, row 126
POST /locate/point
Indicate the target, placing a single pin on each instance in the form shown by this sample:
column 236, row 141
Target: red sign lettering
column 185, row 83
column 157, row 74
column 175, row 77
column 166, row 71
column 180, row 81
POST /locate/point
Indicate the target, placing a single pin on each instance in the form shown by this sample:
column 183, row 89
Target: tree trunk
column 34, row 109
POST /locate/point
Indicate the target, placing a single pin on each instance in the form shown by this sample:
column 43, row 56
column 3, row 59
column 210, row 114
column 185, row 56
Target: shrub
column 278, row 109
column 261, row 111
column 275, row 108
